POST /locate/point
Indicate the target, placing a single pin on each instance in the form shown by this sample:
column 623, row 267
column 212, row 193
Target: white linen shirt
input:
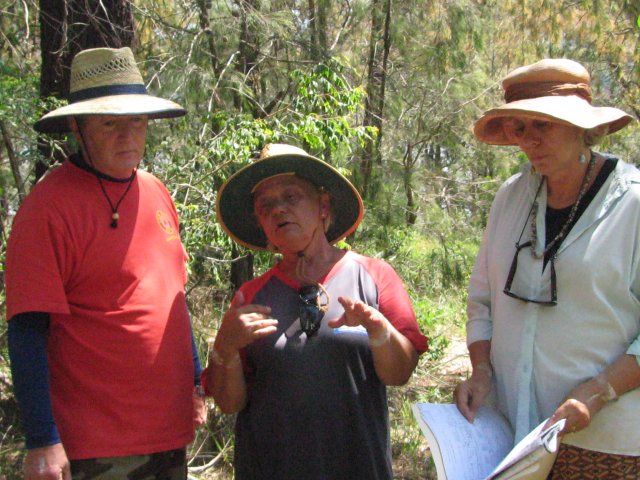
column 539, row 353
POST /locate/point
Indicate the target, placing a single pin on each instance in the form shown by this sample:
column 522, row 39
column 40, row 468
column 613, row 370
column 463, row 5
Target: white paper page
column 469, row 451
column 531, row 442
column 527, row 445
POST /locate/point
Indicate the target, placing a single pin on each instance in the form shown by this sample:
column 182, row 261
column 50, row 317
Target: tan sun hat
column 235, row 197
column 106, row 81
column 554, row 89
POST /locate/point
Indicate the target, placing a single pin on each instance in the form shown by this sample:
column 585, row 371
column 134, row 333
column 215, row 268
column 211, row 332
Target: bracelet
column 607, row 392
column 218, row 360
column 381, row 340
column 603, row 395
column 610, row 393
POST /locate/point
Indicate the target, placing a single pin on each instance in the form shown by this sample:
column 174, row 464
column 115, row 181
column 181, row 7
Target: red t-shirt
column 119, row 347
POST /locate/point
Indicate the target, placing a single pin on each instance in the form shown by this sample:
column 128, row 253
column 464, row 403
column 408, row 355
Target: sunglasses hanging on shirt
column 312, row 310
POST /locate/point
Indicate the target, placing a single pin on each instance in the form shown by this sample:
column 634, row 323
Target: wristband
column 381, row 340
column 218, row 360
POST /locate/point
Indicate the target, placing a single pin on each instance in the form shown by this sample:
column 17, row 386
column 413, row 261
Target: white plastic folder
column 484, row 450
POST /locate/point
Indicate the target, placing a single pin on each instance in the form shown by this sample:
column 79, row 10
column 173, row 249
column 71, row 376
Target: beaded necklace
column 565, row 227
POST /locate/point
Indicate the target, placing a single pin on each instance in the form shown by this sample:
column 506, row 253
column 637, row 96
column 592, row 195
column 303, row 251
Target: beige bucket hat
column 554, row 89
column 106, row 81
column 235, row 197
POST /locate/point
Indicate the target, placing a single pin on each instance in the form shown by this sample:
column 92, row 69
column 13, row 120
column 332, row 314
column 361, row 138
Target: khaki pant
column 171, row 465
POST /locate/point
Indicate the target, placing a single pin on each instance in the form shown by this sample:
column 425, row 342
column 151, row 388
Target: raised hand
column 243, row 324
column 359, row 313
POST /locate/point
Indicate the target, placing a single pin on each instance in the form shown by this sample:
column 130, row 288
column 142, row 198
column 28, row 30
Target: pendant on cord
column 115, row 216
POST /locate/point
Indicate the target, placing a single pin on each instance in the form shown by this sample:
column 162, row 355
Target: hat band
column 105, row 91
column 523, row 91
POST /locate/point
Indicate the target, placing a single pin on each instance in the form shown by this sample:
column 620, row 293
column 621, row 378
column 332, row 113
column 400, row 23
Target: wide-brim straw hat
column 106, row 81
column 556, row 90
column 234, row 205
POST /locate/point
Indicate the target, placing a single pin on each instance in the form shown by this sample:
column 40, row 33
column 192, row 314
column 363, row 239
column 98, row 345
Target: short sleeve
column 394, row 302
column 35, row 265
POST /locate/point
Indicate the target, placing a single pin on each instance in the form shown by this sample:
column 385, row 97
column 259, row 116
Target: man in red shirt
column 102, row 354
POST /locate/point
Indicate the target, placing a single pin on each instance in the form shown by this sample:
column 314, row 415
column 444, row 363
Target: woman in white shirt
column 554, row 298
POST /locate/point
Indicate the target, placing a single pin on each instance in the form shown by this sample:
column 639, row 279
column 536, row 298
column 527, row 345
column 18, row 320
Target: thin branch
column 342, row 28
column 13, row 160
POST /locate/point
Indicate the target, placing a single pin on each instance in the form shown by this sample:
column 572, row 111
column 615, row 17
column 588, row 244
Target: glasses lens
column 309, row 294
column 310, row 319
column 527, row 285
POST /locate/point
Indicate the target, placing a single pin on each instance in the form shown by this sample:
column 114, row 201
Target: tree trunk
column 319, row 48
column 374, row 107
column 241, row 268
column 68, row 26
column 248, row 54
column 205, row 26
column 408, row 163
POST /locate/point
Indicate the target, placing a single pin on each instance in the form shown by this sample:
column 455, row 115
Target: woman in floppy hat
column 99, row 333
column 554, row 310
column 306, row 350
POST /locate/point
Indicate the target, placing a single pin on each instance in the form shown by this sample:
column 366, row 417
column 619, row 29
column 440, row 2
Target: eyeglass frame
column 514, row 264
column 512, row 272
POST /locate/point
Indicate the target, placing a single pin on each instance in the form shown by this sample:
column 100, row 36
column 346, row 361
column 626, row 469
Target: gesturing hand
column 243, row 324
column 357, row 313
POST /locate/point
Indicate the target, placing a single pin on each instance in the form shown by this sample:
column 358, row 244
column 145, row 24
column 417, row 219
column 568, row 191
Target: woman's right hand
column 242, row 325
column 471, row 393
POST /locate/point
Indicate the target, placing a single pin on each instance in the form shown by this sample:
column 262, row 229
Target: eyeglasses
column 311, row 311
column 552, row 294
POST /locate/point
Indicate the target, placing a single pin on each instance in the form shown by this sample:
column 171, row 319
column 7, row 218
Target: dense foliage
column 257, row 71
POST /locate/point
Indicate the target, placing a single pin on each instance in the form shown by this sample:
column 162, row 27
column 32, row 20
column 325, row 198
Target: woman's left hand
column 357, row 313
column 582, row 403
column 394, row 356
